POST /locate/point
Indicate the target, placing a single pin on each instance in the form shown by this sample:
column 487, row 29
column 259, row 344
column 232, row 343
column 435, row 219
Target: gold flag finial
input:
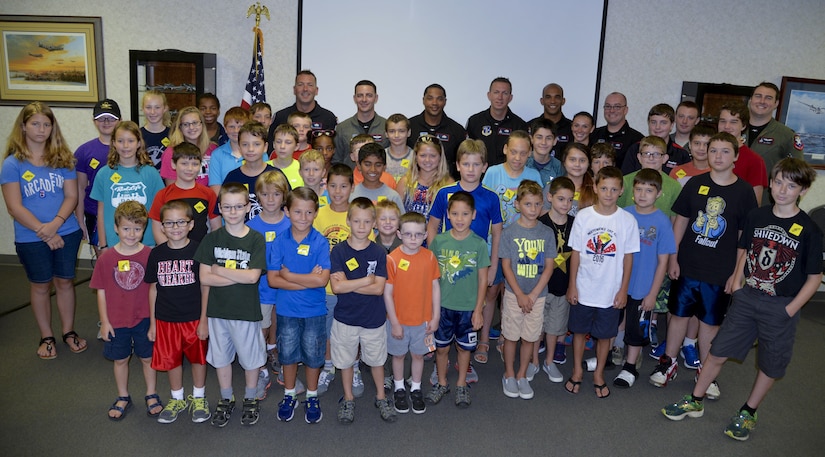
column 258, row 10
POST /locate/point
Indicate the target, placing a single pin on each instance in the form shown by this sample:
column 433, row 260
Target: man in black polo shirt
column 305, row 90
column 433, row 121
column 617, row 132
column 494, row 125
column 552, row 99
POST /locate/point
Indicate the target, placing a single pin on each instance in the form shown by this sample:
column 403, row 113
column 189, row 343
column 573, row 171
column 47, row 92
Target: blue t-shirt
column 655, row 238
column 271, row 232
column 41, row 190
column 114, row 186
column 221, row 163
column 488, row 210
column 367, row 311
column 504, row 186
column 300, row 258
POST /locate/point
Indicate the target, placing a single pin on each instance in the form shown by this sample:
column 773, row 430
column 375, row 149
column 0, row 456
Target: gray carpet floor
column 58, row 407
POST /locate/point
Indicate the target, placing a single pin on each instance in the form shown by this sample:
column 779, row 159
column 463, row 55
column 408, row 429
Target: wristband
column 64, row 219
column 103, row 247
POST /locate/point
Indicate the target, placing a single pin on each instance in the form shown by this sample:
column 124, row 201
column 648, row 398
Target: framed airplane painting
column 54, row 59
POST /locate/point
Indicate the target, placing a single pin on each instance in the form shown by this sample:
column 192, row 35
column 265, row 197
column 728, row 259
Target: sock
column 415, row 386
column 177, row 394
column 751, row 411
column 198, row 392
column 250, row 392
column 270, row 347
column 312, row 393
column 290, row 392
column 328, row 366
column 399, row 385
column 630, row 368
column 226, row 393
column 697, row 399
column 689, row 342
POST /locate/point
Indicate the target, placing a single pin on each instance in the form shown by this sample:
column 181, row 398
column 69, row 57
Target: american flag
column 255, row 90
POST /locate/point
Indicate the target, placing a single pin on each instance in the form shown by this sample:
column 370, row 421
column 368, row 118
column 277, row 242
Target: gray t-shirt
column 376, row 195
column 529, row 250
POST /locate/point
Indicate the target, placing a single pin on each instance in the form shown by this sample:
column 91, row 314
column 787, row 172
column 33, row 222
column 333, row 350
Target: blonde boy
column 388, row 217
column 302, row 123
column 284, row 143
column 312, row 172
column 399, row 155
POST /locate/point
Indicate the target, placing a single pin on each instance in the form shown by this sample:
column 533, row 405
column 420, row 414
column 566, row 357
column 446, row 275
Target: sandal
column 600, row 390
column 49, row 341
column 574, row 386
column 123, row 410
column 500, row 348
column 77, row 349
column 480, row 356
column 155, row 404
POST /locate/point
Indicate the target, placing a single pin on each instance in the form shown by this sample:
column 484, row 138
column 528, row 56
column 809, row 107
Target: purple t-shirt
column 91, row 157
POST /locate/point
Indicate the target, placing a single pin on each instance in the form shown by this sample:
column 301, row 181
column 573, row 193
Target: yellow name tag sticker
column 94, row 163
column 165, row 142
column 703, row 190
column 508, row 195
column 28, row 176
column 303, row 249
column 381, row 198
column 795, row 229
column 199, row 207
column 323, row 201
column 404, row 264
column 559, row 260
column 605, row 237
column 681, row 173
column 405, row 163
column 576, row 196
column 123, row 265
column 230, row 264
column 115, row 178
column 352, row 264
column 532, row 253
column 270, row 236
column 455, row 261
column 449, row 194
column 247, row 187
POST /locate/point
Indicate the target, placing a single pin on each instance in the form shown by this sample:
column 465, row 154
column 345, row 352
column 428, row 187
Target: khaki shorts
column 515, row 324
column 344, row 340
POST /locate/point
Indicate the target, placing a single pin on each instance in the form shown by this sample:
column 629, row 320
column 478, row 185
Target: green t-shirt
column 237, row 301
column 459, row 261
column 670, row 190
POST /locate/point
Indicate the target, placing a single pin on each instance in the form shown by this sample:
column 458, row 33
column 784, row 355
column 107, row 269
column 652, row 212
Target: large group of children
column 264, row 249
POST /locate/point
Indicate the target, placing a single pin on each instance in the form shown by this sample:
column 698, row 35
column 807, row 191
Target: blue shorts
column 691, row 297
column 332, row 300
column 637, row 326
column 120, row 346
column 601, row 323
column 456, row 326
column 499, row 274
column 42, row 264
column 302, row 339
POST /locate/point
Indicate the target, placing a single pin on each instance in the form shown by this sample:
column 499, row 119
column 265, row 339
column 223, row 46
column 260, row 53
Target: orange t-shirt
column 386, row 178
column 412, row 279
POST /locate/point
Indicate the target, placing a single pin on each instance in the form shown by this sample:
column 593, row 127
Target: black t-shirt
column 564, row 134
column 322, row 119
column 494, row 133
column 620, row 140
column 781, row 253
column 178, row 283
column 450, row 132
column 238, row 176
column 754, row 131
column 561, row 275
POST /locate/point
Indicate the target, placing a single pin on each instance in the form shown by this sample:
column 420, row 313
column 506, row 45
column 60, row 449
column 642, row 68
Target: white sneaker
column 357, row 384
column 617, row 354
column 590, row 364
column 713, row 392
column 324, row 380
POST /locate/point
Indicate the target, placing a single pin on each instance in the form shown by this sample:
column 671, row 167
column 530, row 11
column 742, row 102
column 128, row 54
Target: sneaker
column 690, row 355
column 388, row 383
column 740, row 426
column 324, row 380
column 264, row 383
column 542, row 346
column 665, row 371
column 171, row 410
column 199, row 409
column 494, row 334
column 510, row 387
column 617, row 355
column 713, row 392
column 524, row 390
column 286, row 408
column 462, row 396
column 686, row 407
column 222, row 412
column 437, row 393
column 312, row 410
column 357, row 384
column 560, row 354
column 385, row 409
column 346, row 411
column 399, row 401
column 553, row 372
column 657, row 352
column 589, row 364
column 624, row 379
column 251, row 411
column 472, row 375
column 272, row 360
column 417, row 400
column 532, row 370
column 434, row 374
column 299, row 386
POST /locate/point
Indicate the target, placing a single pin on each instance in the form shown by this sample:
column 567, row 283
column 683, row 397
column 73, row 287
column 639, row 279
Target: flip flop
column 600, row 390
column 77, row 349
column 123, row 410
column 574, row 386
column 480, row 356
column 155, row 404
column 49, row 341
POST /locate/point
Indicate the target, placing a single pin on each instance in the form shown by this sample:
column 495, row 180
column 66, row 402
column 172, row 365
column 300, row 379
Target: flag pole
column 254, row 91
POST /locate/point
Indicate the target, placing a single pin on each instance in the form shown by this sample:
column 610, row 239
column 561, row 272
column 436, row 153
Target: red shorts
column 173, row 340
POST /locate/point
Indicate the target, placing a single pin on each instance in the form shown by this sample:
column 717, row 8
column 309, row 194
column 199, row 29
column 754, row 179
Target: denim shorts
column 120, row 346
column 302, row 339
column 42, row 264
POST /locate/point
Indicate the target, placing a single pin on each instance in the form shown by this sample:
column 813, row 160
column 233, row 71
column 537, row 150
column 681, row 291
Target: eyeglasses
column 107, row 120
column 613, row 107
column 651, row 154
column 428, row 139
column 229, row 208
column 180, row 223
column 417, row 236
column 329, row 133
column 189, row 125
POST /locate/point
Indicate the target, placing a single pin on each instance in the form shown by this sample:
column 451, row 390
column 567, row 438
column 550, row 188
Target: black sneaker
column 251, row 411
column 417, row 399
column 399, row 399
column 223, row 412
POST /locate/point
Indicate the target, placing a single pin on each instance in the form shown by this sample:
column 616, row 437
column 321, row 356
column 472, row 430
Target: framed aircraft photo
column 802, row 108
column 54, row 59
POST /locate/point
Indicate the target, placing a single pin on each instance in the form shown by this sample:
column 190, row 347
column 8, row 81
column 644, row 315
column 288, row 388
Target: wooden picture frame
column 54, row 59
column 802, row 108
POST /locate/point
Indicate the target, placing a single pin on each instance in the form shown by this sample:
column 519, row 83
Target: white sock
column 264, row 373
column 399, row 385
column 312, row 393
column 177, row 394
column 415, row 386
column 199, row 392
column 689, row 341
column 270, row 347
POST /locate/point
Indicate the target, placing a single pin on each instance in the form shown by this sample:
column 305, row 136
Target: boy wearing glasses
column 177, row 315
column 659, row 123
column 412, row 297
column 232, row 259
column 186, row 161
column 653, row 154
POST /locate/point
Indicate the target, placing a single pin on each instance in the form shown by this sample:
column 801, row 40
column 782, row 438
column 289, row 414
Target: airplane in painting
column 36, row 55
column 49, row 47
column 814, row 108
